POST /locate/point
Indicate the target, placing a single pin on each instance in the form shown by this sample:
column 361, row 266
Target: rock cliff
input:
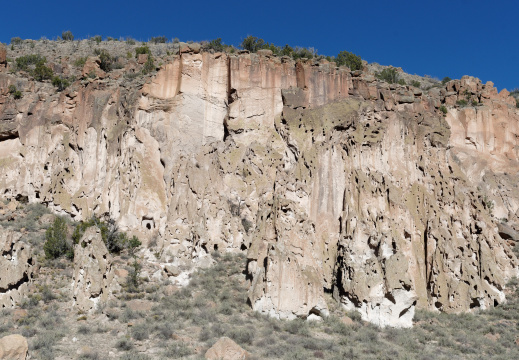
column 330, row 180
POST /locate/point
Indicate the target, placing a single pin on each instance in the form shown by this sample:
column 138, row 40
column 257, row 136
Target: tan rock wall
column 327, row 178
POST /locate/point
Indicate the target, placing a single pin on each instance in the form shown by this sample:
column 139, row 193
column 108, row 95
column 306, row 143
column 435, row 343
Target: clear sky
column 434, row 37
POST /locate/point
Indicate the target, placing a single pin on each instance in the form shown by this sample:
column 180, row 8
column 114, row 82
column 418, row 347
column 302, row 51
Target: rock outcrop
column 226, row 349
column 13, row 347
column 93, row 273
column 16, row 268
column 330, row 180
column 3, row 55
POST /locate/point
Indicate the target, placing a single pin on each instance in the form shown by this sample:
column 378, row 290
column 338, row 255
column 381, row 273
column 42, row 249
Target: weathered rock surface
column 3, row 55
column 226, row 349
column 93, row 273
column 13, row 347
column 16, row 268
column 328, row 179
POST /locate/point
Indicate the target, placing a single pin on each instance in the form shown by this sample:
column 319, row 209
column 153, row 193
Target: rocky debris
column 13, row 347
column 226, row 349
column 93, row 273
column 16, row 268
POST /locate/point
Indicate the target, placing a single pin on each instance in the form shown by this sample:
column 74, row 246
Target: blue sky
column 438, row 38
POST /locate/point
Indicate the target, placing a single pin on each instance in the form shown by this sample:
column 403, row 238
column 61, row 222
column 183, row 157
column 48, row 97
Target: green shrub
column 133, row 244
column 47, row 294
column 345, row 58
column 389, row 75
column 142, row 50
column 253, row 44
column 23, row 62
column 443, row 109
column 114, row 240
column 446, row 80
column 60, row 83
column 130, row 41
column 80, row 61
column 89, row 355
column 461, row 102
column 97, row 39
column 83, row 329
column 106, row 60
column 67, row 35
column 17, row 94
column 401, row 82
column 159, row 40
column 416, row 83
column 177, row 350
column 42, row 72
column 149, row 66
column 215, row 45
column 134, row 356
column 140, row 332
column 307, row 53
column 56, row 244
column 133, row 279
column 16, row 41
column 124, row 344
column 286, row 51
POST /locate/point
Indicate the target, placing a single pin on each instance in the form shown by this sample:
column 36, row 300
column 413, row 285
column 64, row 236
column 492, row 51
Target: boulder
column 264, row 52
column 91, row 67
column 183, row 48
column 172, row 270
column 93, row 273
column 12, row 205
column 195, row 47
column 226, row 349
column 13, row 347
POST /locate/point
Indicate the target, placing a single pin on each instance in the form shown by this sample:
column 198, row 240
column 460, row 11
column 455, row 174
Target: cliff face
column 328, row 179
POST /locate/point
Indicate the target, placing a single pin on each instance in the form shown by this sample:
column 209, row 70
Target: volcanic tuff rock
column 13, row 347
column 226, row 349
column 93, row 273
column 328, row 179
column 16, row 268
